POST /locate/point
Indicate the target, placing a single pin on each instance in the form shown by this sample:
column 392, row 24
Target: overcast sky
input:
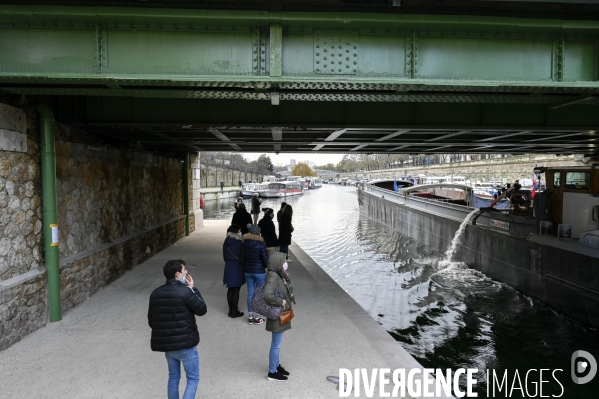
column 284, row 158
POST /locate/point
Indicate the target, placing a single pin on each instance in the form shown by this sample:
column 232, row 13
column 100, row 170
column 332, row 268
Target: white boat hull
column 279, row 194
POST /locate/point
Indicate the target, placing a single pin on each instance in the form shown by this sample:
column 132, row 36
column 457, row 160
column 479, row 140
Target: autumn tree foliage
column 303, row 170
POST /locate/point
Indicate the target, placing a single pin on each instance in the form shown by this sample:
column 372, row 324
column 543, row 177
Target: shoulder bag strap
column 233, row 253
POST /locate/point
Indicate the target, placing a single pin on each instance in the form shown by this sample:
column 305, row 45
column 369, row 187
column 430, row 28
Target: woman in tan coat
column 279, row 292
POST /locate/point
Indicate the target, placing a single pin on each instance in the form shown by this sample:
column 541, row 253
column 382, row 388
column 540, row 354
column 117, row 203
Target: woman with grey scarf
column 279, row 292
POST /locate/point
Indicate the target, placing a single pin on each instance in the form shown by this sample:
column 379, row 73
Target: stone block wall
column 82, row 275
column 511, row 168
column 212, row 176
column 116, row 208
column 20, row 196
column 105, row 193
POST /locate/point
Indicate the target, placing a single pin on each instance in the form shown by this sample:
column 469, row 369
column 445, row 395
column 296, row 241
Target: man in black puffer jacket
column 171, row 316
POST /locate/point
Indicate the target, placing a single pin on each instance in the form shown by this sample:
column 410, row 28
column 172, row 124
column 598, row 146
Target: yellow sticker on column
column 54, row 228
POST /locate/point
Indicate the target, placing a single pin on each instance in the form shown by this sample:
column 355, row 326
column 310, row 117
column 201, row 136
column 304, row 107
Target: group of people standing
column 254, row 254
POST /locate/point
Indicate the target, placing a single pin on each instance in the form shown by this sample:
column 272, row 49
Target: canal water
column 443, row 313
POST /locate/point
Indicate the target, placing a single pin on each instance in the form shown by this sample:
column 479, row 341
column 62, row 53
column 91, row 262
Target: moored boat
column 315, row 183
column 549, row 252
column 282, row 189
column 249, row 189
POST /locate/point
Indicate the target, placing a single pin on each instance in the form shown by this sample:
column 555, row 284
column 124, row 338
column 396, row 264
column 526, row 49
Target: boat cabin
column 570, row 199
column 388, row 184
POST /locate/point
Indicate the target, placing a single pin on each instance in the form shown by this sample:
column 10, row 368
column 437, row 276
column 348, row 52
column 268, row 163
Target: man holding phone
column 171, row 315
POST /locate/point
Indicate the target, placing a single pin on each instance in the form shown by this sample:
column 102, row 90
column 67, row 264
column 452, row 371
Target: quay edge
column 538, row 266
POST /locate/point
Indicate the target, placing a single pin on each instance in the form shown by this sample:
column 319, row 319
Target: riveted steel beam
column 276, row 49
column 182, row 47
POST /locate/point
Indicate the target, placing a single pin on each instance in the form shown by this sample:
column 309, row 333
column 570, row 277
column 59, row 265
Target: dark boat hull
column 561, row 274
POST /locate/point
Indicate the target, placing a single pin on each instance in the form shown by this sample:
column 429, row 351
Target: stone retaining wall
column 84, row 274
column 511, row 168
column 212, row 176
column 116, row 208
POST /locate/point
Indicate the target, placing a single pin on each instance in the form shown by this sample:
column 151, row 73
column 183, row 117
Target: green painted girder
column 290, row 95
column 117, row 47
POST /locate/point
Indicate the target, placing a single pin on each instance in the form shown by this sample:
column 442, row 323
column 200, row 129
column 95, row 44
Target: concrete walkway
column 101, row 348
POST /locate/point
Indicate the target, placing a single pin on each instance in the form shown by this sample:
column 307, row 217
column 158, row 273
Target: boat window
column 579, row 180
column 557, row 179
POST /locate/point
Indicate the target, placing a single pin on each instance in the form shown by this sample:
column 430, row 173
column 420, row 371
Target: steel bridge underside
column 173, row 80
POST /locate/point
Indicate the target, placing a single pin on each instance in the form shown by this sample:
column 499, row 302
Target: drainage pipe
column 50, row 222
column 185, row 179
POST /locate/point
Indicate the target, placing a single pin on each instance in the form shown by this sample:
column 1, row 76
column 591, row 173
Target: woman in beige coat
column 279, row 292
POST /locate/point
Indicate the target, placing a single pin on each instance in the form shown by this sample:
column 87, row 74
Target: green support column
column 276, row 49
column 186, row 191
column 50, row 221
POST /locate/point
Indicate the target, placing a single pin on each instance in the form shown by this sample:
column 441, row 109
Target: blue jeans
column 275, row 348
column 285, row 250
column 254, row 280
column 191, row 364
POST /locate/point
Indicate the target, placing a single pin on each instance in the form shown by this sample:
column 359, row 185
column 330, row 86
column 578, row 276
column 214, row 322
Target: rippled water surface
column 443, row 313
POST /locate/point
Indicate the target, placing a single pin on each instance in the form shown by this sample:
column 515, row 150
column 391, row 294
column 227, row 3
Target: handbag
column 285, row 317
column 260, row 306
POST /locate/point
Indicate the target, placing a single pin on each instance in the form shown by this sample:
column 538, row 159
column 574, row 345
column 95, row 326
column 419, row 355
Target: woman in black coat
column 234, row 275
column 267, row 230
column 284, row 217
column 242, row 218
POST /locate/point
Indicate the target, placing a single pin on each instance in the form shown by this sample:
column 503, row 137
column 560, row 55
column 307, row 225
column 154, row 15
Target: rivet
column 325, row 50
column 318, row 62
column 347, row 58
column 326, row 58
column 347, row 66
column 339, row 46
column 339, row 70
column 325, row 65
column 317, row 54
column 339, row 54
column 332, row 46
column 355, row 55
column 355, row 62
column 339, row 62
column 354, row 70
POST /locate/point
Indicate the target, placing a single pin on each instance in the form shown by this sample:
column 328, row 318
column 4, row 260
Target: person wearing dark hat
column 256, row 202
column 241, row 218
column 284, row 217
column 268, row 231
column 255, row 261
